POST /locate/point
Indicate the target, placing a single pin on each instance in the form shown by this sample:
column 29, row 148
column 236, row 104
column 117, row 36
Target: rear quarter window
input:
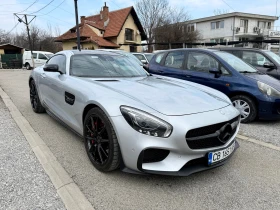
column 159, row 57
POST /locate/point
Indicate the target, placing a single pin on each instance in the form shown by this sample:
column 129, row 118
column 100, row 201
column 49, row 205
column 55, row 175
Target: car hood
column 265, row 79
column 164, row 96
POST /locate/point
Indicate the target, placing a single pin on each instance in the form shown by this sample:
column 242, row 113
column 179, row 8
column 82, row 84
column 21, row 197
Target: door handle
column 188, row 76
column 160, row 71
column 43, row 75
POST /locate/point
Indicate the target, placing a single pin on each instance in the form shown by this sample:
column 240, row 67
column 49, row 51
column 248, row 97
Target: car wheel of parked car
column 246, row 106
column 101, row 141
column 28, row 67
column 34, row 98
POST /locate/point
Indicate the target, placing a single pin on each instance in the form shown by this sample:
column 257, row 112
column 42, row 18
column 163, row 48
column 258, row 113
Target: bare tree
column 4, row 37
column 152, row 14
column 176, row 29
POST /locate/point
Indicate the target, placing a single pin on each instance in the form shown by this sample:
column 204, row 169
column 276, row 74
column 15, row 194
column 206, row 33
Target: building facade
column 234, row 26
column 120, row 29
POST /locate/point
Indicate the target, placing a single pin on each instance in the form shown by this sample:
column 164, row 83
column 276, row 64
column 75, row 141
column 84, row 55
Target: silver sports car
column 132, row 120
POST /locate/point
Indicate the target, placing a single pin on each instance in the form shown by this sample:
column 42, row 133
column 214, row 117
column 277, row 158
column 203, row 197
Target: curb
column 69, row 192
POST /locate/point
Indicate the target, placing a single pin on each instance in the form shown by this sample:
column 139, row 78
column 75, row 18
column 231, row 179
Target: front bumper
column 133, row 143
column 269, row 108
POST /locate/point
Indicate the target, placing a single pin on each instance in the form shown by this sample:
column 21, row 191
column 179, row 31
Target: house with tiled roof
column 119, row 29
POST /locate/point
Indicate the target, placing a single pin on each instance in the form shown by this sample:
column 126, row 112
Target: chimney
column 83, row 19
column 105, row 13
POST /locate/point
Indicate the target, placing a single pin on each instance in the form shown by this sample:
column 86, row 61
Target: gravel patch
column 23, row 182
column 267, row 131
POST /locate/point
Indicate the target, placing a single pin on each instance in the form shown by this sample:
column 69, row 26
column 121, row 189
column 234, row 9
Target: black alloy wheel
column 34, row 98
column 101, row 141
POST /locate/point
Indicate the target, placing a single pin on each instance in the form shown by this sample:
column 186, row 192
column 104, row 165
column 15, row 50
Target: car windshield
column 275, row 57
column 99, row 65
column 49, row 55
column 149, row 56
column 236, row 63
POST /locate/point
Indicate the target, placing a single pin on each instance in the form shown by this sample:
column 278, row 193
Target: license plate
column 217, row 156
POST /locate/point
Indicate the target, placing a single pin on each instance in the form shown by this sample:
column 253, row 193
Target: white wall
column 207, row 33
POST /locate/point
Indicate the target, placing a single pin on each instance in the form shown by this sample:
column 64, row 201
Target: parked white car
column 144, row 57
column 39, row 57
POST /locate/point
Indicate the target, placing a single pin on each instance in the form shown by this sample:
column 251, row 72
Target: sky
column 60, row 18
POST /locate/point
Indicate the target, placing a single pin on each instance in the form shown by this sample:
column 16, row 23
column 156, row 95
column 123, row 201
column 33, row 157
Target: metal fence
column 11, row 61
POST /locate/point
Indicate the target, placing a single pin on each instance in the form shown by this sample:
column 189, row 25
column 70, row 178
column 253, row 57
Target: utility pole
column 77, row 26
column 27, row 28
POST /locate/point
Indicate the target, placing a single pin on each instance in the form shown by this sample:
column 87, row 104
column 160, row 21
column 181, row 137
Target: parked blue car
column 254, row 94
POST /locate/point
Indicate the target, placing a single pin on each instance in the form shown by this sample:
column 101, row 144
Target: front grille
column 208, row 142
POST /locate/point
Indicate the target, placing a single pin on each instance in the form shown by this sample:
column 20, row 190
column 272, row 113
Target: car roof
column 76, row 52
column 239, row 48
column 40, row 52
column 188, row 49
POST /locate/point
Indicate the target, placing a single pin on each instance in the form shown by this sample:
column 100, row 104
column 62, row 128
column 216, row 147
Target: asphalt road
column 250, row 180
column 23, row 182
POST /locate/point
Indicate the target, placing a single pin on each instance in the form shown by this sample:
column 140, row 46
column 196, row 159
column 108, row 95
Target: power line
column 42, row 7
column 12, row 29
column 114, row 4
column 28, row 7
column 53, row 9
column 228, row 5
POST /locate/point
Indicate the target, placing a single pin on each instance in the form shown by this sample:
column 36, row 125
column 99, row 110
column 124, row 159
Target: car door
column 42, row 59
column 50, row 85
column 35, row 60
column 170, row 64
column 198, row 65
column 257, row 60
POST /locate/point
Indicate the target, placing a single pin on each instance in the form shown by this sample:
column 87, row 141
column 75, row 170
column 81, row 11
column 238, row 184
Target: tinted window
column 254, row 58
column 34, row 55
column 91, row 65
column 42, row 56
column 60, row 60
column 174, row 59
column 275, row 57
column 201, row 62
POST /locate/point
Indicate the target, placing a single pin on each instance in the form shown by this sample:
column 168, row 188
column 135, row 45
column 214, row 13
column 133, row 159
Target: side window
column 42, row 56
column 174, row 59
column 34, row 55
column 140, row 57
column 60, row 60
column 254, row 58
column 224, row 71
column 159, row 57
column 201, row 62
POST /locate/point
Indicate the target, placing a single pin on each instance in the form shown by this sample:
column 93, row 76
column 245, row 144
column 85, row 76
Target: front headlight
column 268, row 90
column 146, row 123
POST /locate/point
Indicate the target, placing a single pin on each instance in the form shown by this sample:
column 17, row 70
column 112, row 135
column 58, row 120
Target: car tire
column 28, row 67
column 104, row 155
column 246, row 106
column 34, row 98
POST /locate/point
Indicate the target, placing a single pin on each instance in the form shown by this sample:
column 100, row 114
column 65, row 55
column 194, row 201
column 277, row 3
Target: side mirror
column 144, row 61
column 268, row 65
column 52, row 68
column 215, row 71
column 146, row 67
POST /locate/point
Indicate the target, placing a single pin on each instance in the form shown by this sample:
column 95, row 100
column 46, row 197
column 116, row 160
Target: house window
column 75, row 48
column 132, row 48
column 73, row 30
column 269, row 25
column 217, row 24
column 261, row 24
column 190, row 27
column 128, row 34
